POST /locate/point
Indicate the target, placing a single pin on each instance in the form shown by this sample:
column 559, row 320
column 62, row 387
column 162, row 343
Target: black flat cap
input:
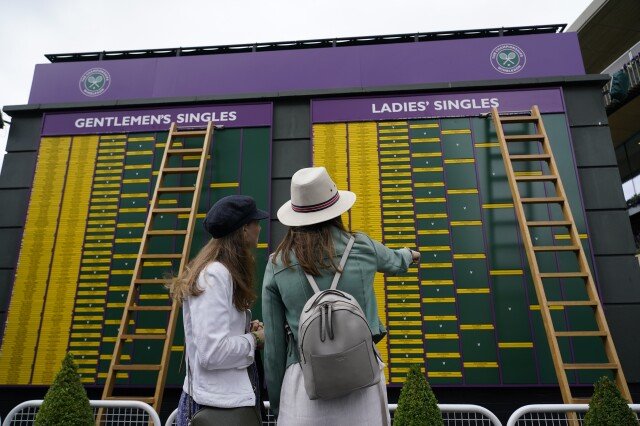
column 230, row 213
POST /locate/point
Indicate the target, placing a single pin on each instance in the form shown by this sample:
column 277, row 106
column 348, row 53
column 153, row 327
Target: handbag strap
column 336, row 277
column 190, row 387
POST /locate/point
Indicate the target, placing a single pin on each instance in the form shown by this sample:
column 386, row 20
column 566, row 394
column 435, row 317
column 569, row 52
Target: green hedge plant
column 608, row 407
column 417, row 405
column 66, row 402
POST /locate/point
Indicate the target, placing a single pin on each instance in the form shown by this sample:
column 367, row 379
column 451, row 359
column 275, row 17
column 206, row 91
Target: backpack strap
column 336, row 278
column 343, row 261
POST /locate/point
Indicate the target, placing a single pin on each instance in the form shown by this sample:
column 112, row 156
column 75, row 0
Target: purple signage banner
column 434, row 105
column 352, row 67
column 159, row 119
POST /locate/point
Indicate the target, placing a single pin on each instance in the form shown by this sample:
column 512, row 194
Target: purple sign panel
column 434, row 105
column 347, row 68
column 154, row 120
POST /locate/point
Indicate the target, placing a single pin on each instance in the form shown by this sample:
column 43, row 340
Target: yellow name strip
column 498, row 206
column 462, row 191
column 495, row 272
column 472, row 291
column 515, row 345
column 470, row 256
column 440, row 318
column 436, row 282
column 443, row 355
column 476, row 326
column 444, row 374
column 460, row 161
column 465, row 223
column 224, row 185
column 424, row 126
column 480, row 364
column 425, row 140
column 456, row 132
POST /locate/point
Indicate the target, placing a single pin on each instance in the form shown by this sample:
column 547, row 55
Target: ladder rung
column 161, row 256
column 542, row 200
column 177, row 189
column 184, row 151
column 172, row 210
column 594, row 366
column 563, row 275
column 549, row 223
column 536, row 157
column 137, row 367
column 144, row 336
column 541, row 178
column 149, row 281
column 596, row 333
column 519, row 119
column 573, row 303
column 148, row 399
column 150, row 308
column 523, row 138
column 189, row 133
column 556, row 248
column 181, row 170
column 167, row 232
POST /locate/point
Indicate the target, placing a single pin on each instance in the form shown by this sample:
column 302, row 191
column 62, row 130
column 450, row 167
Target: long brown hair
column 312, row 245
column 235, row 253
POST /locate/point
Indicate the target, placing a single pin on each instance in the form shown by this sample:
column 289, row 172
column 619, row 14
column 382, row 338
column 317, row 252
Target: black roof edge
column 305, row 44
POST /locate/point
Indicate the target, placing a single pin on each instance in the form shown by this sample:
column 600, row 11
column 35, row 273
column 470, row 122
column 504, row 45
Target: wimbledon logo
column 95, row 82
column 508, row 58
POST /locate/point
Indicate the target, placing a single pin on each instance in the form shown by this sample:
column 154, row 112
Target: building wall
column 610, row 230
column 16, row 179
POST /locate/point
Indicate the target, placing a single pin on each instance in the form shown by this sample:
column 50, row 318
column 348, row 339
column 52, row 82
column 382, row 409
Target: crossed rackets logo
column 95, row 82
column 508, row 58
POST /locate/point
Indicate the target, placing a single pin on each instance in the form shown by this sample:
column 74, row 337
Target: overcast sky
column 31, row 28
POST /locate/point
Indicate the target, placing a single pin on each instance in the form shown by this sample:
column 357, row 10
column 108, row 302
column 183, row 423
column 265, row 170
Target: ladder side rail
column 175, row 308
column 533, row 262
column 610, row 349
column 124, row 323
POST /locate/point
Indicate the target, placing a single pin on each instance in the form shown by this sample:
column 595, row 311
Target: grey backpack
column 337, row 353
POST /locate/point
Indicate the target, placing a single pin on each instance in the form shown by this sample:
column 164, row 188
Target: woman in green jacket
column 314, row 244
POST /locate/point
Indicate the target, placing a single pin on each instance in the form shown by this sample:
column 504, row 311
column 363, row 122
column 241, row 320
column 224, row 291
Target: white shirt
column 217, row 346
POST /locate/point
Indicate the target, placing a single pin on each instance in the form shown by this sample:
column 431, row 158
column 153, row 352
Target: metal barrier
column 452, row 414
column 467, row 414
column 121, row 413
column 552, row 414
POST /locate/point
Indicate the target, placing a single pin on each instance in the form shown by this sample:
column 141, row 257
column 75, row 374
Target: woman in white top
column 217, row 290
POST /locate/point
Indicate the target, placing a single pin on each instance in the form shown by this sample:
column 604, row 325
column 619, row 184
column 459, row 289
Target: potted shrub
column 608, row 407
column 66, row 401
column 417, row 405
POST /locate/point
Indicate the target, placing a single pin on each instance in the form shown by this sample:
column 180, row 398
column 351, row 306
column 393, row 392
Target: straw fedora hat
column 315, row 198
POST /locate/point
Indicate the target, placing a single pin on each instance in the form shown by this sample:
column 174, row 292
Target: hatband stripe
column 316, row 207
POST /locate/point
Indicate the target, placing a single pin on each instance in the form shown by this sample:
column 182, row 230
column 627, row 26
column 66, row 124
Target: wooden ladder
column 140, row 280
column 575, row 246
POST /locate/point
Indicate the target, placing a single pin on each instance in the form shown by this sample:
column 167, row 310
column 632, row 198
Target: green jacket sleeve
column 391, row 261
column 275, row 347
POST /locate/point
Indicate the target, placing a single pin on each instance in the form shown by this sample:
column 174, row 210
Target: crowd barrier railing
column 121, row 412
column 553, row 414
column 452, row 415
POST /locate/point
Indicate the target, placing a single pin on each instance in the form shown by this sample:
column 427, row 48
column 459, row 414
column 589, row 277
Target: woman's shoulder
column 217, row 270
column 363, row 238
column 278, row 263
